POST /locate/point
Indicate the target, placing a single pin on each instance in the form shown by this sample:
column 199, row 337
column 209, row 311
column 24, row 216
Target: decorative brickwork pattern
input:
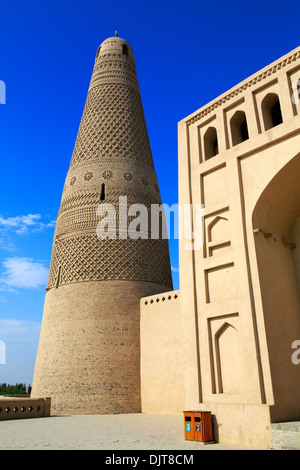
column 88, row 176
column 109, row 259
column 88, row 358
column 78, row 210
column 113, row 125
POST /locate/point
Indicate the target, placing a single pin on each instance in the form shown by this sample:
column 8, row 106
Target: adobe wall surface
column 88, row 359
column 22, row 408
column 161, row 354
column 241, row 288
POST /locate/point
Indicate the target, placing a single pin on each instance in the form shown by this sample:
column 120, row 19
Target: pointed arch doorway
column 276, row 226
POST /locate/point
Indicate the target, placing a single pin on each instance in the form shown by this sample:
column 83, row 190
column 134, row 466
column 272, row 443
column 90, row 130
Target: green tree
column 17, row 389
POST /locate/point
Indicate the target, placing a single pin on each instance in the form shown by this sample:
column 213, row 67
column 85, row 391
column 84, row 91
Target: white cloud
column 7, row 245
column 23, row 272
column 23, row 224
column 16, row 331
column 174, row 269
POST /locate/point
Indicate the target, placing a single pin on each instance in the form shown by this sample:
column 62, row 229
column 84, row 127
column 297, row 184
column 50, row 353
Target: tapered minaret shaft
column 88, row 357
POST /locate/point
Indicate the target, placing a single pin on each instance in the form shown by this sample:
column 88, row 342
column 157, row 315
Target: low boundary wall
column 24, row 407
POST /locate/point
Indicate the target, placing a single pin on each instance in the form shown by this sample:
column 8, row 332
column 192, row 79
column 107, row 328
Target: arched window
column 271, row 111
column 210, row 143
column 125, row 49
column 239, row 128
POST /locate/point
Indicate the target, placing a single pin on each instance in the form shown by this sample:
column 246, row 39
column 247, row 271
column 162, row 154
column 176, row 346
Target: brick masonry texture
column 88, row 358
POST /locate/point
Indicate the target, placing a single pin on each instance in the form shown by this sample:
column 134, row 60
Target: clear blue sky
column 187, row 53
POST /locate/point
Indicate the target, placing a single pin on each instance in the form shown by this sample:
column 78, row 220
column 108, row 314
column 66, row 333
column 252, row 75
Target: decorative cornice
column 235, row 92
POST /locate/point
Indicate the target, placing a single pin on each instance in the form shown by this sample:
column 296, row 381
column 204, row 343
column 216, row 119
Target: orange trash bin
column 198, row 426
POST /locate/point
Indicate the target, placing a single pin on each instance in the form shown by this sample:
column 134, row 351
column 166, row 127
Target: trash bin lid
column 196, row 411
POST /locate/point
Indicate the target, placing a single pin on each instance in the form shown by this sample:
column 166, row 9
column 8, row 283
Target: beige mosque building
column 115, row 337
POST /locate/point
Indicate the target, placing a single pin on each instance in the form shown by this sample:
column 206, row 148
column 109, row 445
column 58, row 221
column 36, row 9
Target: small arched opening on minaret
column 102, row 192
column 125, row 49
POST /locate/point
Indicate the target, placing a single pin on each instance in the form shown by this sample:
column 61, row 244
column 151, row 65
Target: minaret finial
column 116, row 34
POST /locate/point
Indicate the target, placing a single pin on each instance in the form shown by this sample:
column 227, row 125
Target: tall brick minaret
column 88, row 357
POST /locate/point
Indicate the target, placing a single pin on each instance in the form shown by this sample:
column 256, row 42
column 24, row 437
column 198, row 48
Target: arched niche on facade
column 271, row 111
column 239, row 128
column 211, row 148
column 277, row 213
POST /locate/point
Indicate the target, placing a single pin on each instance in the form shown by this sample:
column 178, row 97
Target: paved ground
column 96, row 432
